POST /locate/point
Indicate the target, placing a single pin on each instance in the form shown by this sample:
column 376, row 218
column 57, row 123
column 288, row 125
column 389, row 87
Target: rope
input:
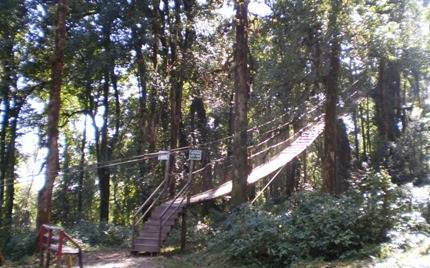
column 267, row 184
column 146, row 156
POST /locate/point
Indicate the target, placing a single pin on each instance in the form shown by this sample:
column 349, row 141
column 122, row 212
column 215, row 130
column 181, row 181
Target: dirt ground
column 119, row 259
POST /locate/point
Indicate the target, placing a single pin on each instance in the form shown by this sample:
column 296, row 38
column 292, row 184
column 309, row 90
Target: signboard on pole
column 196, row 155
column 163, row 155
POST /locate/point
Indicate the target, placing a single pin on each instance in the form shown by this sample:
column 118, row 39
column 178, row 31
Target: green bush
column 248, row 235
column 100, row 234
column 17, row 243
column 312, row 225
column 408, row 159
column 426, row 212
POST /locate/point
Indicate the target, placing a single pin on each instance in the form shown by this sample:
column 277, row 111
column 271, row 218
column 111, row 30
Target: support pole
column 166, row 184
column 184, row 215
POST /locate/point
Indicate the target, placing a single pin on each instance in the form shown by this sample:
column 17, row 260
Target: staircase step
column 153, row 233
column 148, row 248
column 168, row 207
column 156, row 222
column 147, row 241
column 170, row 212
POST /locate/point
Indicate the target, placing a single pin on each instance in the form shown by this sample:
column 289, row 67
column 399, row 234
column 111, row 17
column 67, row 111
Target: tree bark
column 364, row 131
column 107, row 144
column 369, row 144
column 4, row 128
column 81, row 173
column 45, row 194
column 11, row 160
column 5, row 88
column 387, row 106
column 356, row 142
column 175, row 95
column 343, row 158
column 387, row 100
column 242, row 86
column 331, row 82
column 103, row 173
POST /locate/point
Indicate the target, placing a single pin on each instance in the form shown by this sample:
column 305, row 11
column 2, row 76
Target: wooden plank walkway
column 279, row 160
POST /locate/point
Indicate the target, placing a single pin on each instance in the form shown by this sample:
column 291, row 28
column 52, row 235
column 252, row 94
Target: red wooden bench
column 52, row 241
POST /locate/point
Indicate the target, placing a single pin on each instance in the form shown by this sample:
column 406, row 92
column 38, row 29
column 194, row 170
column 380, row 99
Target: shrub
column 248, row 236
column 100, row 234
column 17, row 243
column 409, row 160
column 426, row 212
column 312, row 225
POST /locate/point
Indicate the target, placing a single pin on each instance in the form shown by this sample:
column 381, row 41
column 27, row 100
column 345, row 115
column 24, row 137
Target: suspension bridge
column 158, row 215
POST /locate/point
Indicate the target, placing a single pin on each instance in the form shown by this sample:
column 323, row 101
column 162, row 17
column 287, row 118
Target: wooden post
column 69, row 261
column 166, row 184
column 184, row 215
column 166, row 173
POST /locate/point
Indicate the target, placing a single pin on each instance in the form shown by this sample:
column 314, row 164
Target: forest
column 215, row 133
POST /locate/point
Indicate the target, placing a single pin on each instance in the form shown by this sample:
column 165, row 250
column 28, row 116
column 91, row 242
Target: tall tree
column 331, row 83
column 45, row 194
column 387, row 105
column 241, row 86
column 12, row 26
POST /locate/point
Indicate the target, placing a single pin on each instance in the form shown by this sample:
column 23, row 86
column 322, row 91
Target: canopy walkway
column 163, row 217
column 303, row 141
column 266, row 157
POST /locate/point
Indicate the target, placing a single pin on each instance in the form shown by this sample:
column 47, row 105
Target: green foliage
column 17, row 243
column 313, row 225
column 426, row 212
column 408, row 161
column 248, row 235
column 102, row 234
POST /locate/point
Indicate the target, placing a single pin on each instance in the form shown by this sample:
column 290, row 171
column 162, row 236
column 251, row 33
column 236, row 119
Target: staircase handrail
column 154, row 201
column 146, row 203
column 186, row 187
column 149, row 198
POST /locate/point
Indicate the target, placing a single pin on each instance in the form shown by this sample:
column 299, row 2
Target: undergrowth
column 313, row 225
column 17, row 244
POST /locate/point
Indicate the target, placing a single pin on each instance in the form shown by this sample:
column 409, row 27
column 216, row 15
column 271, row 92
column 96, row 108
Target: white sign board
column 196, row 155
column 163, row 155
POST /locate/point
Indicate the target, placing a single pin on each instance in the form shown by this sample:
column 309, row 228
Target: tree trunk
column 107, row 145
column 364, row 131
column 3, row 162
column 343, row 158
column 11, row 160
column 45, row 194
column 81, row 173
column 5, row 86
column 175, row 95
column 103, row 173
column 387, row 104
column 369, row 144
column 241, row 84
column 356, row 142
column 387, row 100
column 331, row 82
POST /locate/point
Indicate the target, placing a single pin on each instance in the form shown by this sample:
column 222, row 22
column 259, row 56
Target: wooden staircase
column 157, row 227
column 158, row 216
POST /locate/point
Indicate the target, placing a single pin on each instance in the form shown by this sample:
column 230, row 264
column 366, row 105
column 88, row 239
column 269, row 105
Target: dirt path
column 119, row 259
